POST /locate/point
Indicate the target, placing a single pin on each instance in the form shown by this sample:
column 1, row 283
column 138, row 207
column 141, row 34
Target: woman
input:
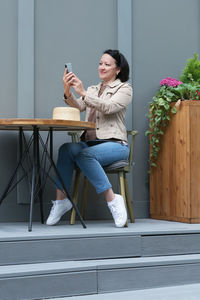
column 105, row 104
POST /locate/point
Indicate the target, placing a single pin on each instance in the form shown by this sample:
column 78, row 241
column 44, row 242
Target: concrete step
column 64, row 243
column 74, row 278
column 67, row 248
column 183, row 292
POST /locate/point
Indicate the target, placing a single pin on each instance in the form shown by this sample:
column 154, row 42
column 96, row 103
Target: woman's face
column 107, row 68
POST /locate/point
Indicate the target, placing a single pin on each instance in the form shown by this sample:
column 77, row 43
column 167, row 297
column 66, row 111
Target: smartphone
column 69, row 67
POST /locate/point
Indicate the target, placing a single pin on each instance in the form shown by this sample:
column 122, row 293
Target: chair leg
column 128, row 200
column 84, row 201
column 75, row 195
column 122, row 190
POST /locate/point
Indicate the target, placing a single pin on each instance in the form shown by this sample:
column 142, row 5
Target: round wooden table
column 44, row 124
column 31, row 149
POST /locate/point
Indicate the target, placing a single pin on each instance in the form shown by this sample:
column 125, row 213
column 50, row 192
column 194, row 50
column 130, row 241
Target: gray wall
column 69, row 31
column 156, row 36
column 8, row 99
column 165, row 35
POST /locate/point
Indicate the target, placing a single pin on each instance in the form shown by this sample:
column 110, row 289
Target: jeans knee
column 85, row 154
column 63, row 148
column 70, row 149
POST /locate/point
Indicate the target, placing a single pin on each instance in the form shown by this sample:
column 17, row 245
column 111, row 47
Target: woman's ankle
column 109, row 195
column 60, row 195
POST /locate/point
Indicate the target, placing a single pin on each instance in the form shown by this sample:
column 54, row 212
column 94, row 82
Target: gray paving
column 19, row 230
column 186, row 292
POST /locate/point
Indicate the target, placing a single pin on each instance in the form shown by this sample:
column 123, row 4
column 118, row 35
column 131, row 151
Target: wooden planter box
column 175, row 182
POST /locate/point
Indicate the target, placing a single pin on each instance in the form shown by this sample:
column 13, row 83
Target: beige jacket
column 110, row 108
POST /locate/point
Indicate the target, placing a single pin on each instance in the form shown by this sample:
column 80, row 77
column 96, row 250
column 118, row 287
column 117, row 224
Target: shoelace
column 53, row 208
column 115, row 212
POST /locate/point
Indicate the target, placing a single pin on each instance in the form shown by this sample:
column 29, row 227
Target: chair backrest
column 75, row 136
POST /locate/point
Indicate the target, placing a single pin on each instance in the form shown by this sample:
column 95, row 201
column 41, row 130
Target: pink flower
column 169, row 81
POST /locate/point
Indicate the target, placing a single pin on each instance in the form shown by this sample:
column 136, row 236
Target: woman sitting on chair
column 106, row 105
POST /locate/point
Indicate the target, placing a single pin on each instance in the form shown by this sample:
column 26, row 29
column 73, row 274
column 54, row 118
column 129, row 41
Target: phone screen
column 69, row 67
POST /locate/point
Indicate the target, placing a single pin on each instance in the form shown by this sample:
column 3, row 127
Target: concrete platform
column 100, row 261
column 19, row 230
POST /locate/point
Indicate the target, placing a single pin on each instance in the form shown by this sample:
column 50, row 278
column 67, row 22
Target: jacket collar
column 113, row 84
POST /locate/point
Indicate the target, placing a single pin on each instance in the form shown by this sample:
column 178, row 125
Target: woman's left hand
column 78, row 86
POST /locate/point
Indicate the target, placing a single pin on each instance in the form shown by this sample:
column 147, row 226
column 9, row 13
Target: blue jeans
column 90, row 160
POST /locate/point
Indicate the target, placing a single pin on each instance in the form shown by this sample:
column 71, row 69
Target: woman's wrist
column 83, row 95
column 67, row 95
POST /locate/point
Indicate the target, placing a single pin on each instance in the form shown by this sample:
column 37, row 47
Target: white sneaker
column 118, row 210
column 59, row 208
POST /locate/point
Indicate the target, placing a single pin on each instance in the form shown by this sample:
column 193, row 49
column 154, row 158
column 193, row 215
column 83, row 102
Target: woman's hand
column 71, row 80
column 78, row 86
column 67, row 82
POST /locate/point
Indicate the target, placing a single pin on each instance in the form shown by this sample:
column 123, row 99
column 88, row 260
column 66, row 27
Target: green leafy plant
column 161, row 108
column 191, row 72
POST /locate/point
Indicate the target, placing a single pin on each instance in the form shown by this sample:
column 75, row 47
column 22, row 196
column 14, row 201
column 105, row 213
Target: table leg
column 36, row 140
column 35, row 137
column 39, row 177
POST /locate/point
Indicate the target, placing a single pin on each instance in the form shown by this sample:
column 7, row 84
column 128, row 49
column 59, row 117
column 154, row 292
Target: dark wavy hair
column 121, row 62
